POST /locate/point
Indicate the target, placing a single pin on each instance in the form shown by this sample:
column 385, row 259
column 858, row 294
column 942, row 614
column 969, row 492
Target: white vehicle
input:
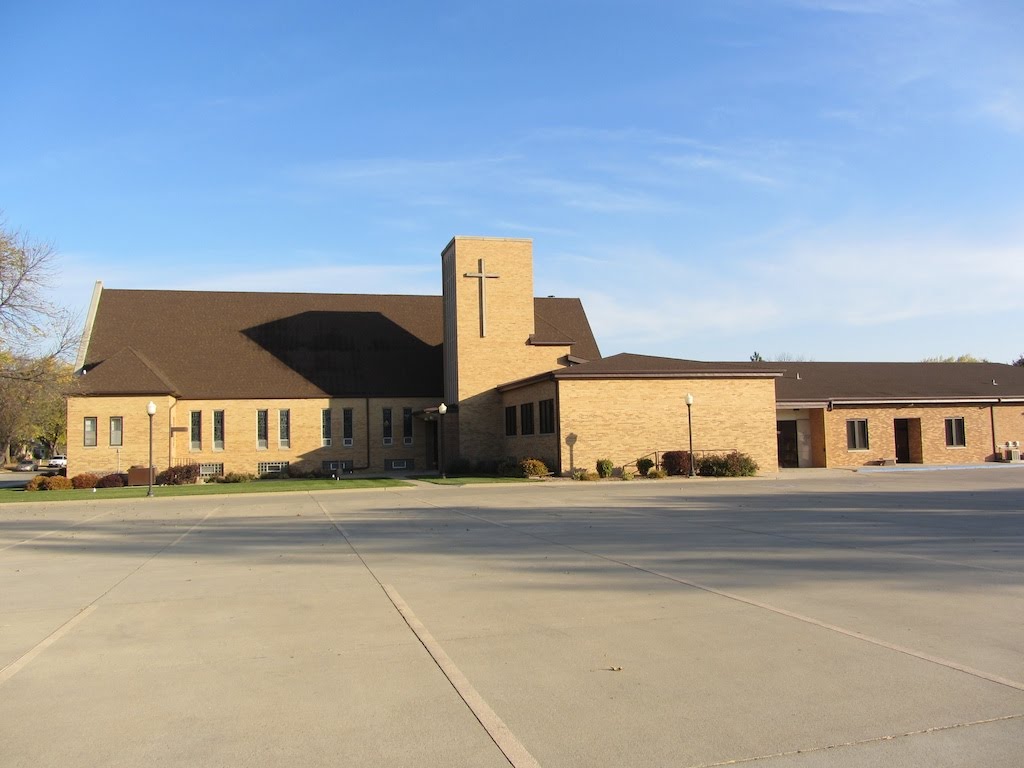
column 58, row 462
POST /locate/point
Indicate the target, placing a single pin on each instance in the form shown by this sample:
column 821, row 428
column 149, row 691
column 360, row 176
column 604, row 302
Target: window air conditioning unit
column 347, row 442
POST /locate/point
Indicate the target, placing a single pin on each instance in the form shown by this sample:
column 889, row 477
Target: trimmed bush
column 36, row 483
column 183, row 474
column 235, row 477
column 85, row 480
column 643, row 466
column 733, row 464
column 604, row 467
column 626, row 474
column 57, row 483
column 533, row 468
column 113, row 480
column 657, row 474
column 676, row 462
column 583, row 474
column 508, row 467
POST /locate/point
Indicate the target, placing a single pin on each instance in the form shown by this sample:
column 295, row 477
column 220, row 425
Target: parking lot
column 831, row 619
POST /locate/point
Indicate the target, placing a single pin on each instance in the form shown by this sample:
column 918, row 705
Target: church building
column 259, row 382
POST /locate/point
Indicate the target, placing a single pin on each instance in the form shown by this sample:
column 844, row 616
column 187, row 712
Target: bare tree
column 966, row 358
column 35, row 333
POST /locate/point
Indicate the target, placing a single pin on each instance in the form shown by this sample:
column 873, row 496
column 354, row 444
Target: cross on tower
column 482, row 276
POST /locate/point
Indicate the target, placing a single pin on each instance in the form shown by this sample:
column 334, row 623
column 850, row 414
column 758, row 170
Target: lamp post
column 151, row 410
column 442, row 409
column 689, row 428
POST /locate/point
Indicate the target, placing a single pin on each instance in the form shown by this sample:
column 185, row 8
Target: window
column 510, row 420
column 335, row 468
column 90, row 431
column 211, row 470
column 955, row 435
column 196, row 423
column 218, row 430
column 261, row 429
column 857, row 434
column 325, row 427
column 526, row 418
column 116, row 431
column 390, row 464
column 547, row 417
column 386, row 427
column 407, row 426
column 271, row 468
column 346, row 426
column 285, row 428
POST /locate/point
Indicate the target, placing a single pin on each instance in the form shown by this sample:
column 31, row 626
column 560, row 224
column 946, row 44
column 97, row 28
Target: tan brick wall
column 104, row 458
column 503, row 355
column 929, row 448
column 624, row 419
column 1009, row 423
column 240, row 453
column 536, row 446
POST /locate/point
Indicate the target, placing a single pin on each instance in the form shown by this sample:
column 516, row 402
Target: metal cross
column 482, row 276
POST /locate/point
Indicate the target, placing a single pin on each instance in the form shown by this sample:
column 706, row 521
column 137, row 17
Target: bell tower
column 488, row 323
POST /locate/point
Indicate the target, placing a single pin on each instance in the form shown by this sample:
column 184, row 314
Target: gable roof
column 131, row 374
column 234, row 345
column 898, row 382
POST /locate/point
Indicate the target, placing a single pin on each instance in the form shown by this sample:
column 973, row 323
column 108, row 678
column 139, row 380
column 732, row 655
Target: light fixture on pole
column 442, row 409
column 151, row 410
column 689, row 428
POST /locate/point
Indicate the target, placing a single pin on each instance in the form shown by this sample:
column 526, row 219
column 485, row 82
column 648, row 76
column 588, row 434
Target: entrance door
column 902, row 429
column 789, row 451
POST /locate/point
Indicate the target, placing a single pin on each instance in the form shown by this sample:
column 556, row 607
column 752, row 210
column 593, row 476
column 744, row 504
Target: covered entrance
column 908, row 441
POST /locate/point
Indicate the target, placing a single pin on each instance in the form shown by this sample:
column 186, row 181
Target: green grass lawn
column 473, row 480
column 8, row 495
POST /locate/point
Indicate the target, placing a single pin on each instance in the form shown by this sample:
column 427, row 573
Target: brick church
column 257, row 382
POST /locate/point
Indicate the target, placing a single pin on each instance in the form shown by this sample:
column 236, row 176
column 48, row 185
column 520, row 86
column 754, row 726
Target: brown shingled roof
column 888, row 382
column 232, row 345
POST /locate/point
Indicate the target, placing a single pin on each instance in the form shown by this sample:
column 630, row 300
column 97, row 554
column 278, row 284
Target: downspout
column 558, row 426
column 992, row 421
column 367, row 435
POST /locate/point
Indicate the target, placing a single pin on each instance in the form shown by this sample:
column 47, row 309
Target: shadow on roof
column 353, row 354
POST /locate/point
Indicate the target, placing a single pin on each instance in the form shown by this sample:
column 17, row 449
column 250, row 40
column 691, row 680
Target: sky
column 818, row 179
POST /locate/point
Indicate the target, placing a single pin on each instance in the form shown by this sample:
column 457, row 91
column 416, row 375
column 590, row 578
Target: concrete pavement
column 789, row 622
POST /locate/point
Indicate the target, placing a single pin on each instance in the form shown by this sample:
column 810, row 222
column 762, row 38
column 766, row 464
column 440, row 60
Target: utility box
column 1013, row 455
column 141, row 475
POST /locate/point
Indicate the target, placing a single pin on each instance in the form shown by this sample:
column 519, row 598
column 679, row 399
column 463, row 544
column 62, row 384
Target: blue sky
column 832, row 179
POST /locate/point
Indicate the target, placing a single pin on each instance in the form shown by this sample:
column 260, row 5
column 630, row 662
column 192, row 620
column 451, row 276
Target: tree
column 965, row 358
column 35, row 333
column 1019, row 361
column 756, row 357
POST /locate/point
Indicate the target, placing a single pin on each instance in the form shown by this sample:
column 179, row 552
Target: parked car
column 58, row 462
column 28, row 465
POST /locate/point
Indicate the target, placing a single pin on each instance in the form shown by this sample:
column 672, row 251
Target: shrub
column 676, row 462
column 299, row 472
column 733, row 464
column 643, row 466
column 57, row 483
column 113, row 480
column 236, row 477
column 533, row 468
column 85, row 480
column 604, row 467
column 183, row 474
column 657, row 474
column 36, row 483
column 583, row 474
column 509, row 467
column 626, row 474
